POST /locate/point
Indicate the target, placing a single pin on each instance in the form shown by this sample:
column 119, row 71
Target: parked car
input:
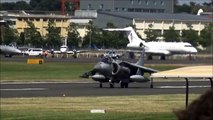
column 34, row 52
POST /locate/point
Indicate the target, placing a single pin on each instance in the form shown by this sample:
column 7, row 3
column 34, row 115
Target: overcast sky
column 180, row 1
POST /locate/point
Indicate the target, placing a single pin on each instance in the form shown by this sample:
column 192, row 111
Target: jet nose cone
column 98, row 66
column 18, row 51
column 194, row 50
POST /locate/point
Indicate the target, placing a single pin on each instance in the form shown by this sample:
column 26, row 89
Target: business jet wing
column 57, row 51
column 157, row 52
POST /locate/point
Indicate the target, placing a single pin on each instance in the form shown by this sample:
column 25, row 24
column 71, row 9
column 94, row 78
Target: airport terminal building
column 147, row 6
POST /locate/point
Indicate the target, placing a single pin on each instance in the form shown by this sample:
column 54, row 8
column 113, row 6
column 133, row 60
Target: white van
column 34, row 52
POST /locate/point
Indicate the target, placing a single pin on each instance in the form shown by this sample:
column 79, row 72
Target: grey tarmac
column 83, row 89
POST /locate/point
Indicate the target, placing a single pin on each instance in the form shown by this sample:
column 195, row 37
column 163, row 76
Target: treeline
column 37, row 5
column 98, row 37
column 55, row 5
column 95, row 36
column 192, row 7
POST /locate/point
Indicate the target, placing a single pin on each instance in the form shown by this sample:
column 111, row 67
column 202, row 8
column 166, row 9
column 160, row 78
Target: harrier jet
column 116, row 71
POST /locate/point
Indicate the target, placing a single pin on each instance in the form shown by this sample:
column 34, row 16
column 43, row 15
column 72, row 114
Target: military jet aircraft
column 116, row 71
column 9, row 50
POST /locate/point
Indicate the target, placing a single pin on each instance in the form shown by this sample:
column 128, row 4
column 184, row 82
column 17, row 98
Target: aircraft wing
column 57, row 52
column 135, row 67
column 119, row 29
column 70, row 52
column 157, row 51
column 82, row 51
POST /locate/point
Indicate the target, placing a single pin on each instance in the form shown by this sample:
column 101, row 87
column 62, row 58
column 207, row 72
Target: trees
column 46, row 5
column 93, row 37
column 21, row 41
column 151, row 35
column 32, row 36
column 73, row 38
column 53, row 39
column 206, row 37
column 190, row 36
column 22, row 5
column 8, row 34
column 171, row 35
column 109, row 38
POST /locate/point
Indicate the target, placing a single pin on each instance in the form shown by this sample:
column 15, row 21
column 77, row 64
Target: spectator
column 199, row 109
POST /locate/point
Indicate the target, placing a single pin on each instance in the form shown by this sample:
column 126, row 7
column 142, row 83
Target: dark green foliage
column 32, row 36
column 171, row 35
column 7, row 6
column 46, row 5
column 69, row 7
column 73, row 35
column 8, row 35
column 206, row 36
column 53, row 39
column 151, row 35
column 192, row 7
column 21, row 41
column 22, row 5
column 190, row 36
column 93, row 36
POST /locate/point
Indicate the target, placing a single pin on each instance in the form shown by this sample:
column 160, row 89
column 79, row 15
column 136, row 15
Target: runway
column 80, row 89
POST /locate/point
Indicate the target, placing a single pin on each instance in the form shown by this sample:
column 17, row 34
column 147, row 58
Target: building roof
column 158, row 16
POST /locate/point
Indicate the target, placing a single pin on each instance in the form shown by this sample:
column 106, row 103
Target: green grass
column 46, row 71
column 20, row 71
column 45, row 115
column 151, row 107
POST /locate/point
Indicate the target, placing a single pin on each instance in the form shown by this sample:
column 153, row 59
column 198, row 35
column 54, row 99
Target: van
column 34, row 52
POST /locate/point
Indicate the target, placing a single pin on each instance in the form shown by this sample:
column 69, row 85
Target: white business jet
column 156, row 48
column 65, row 50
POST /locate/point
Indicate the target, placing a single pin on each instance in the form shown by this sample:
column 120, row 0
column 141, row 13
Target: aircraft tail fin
column 142, row 57
column 134, row 40
column 141, row 62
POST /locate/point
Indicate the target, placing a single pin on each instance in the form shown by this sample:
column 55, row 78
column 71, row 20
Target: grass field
column 149, row 107
column 20, row 71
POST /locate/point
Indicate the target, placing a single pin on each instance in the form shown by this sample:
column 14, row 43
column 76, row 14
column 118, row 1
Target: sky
column 180, row 1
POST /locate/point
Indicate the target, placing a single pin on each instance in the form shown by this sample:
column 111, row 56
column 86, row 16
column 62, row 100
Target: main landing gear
column 124, row 85
column 111, row 84
column 162, row 57
column 100, row 85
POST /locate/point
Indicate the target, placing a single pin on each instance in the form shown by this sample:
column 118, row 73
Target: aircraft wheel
column 100, row 85
column 111, row 85
column 122, row 85
column 126, row 85
column 163, row 57
column 150, row 57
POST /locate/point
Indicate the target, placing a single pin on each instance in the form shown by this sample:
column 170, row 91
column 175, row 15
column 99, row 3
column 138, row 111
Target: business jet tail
column 134, row 40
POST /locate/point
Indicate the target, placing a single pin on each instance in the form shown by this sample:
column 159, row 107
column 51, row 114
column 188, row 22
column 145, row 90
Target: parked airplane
column 156, row 48
column 115, row 71
column 9, row 50
column 113, row 54
column 65, row 50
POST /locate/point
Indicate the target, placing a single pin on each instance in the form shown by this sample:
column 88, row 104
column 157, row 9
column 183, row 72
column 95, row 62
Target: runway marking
column 24, row 89
column 175, row 87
